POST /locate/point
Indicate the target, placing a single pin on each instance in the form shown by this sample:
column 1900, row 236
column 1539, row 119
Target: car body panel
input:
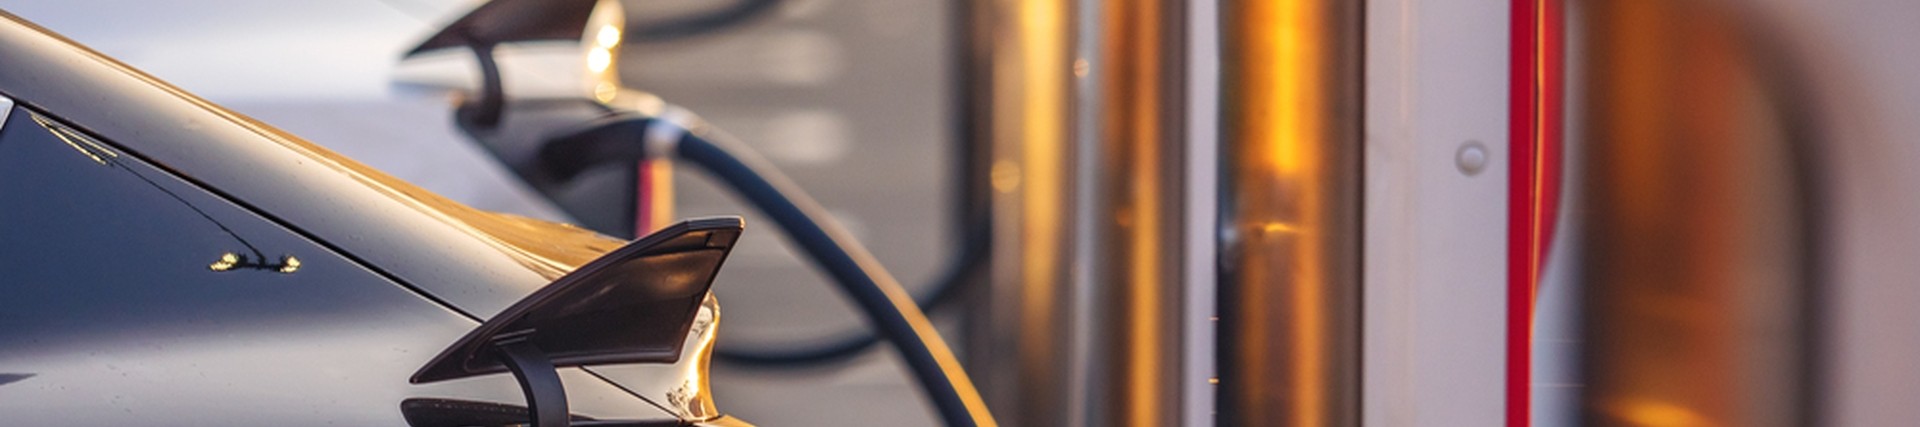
column 471, row 263
column 134, row 297
column 416, row 234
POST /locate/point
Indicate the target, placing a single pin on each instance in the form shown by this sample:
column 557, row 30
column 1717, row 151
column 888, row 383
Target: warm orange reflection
column 1043, row 142
column 1291, row 129
column 607, row 37
column 656, row 195
column 1029, row 79
column 1138, row 293
column 1697, row 261
column 598, row 59
column 1655, row 413
column 695, row 395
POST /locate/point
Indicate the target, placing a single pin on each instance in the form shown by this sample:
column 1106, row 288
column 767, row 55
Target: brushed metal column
column 1132, row 165
column 1698, row 263
column 1025, row 359
column 1089, row 171
column 1290, row 254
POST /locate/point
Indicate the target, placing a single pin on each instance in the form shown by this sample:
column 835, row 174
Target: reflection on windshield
column 228, row 261
column 254, row 259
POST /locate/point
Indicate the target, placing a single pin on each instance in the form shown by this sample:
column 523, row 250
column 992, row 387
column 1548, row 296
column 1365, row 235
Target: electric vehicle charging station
column 1397, row 212
column 1447, row 213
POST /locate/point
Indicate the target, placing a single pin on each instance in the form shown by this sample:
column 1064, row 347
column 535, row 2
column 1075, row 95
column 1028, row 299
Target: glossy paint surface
column 136, row 298
column 1130, row 95
column 477, row 262
column 465, row 262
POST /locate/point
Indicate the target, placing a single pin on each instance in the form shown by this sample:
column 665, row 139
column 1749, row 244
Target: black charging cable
column 962, row 267
column 885, row 303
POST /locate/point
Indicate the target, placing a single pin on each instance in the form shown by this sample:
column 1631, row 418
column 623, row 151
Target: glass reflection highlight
column 100, row 154
column 226, row 262
column 289, row 264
